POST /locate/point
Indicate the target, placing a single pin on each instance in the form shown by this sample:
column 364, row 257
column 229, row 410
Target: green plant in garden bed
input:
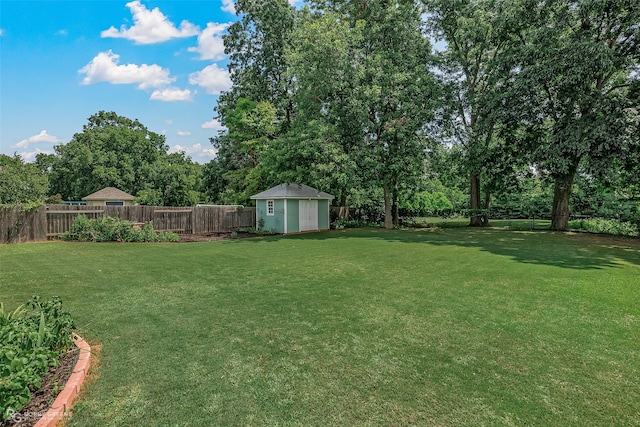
column 251, row 230
column 110, row 229
column 342, row 223
column 31, row 338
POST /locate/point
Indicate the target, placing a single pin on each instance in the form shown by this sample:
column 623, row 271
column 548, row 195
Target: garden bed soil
column 53, row 383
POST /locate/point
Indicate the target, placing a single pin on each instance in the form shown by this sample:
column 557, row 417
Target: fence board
column 59, row 218
column 18, row 226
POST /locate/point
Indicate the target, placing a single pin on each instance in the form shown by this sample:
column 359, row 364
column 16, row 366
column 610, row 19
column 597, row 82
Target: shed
column 292, row 208
column 109, row 196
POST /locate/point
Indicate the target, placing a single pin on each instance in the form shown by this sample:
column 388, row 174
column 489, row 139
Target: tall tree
column 111, row 150
column 368, row 79
column 399, row 94
column 252, row 125
column 177, row 182
column 573, row 88
column 21, row 182
column 327, row 131
column 255, row 45
column 471, row 30
column 115, row 151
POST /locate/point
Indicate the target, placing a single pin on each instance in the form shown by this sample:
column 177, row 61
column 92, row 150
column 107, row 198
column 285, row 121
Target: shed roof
column 292, row 191
column 109, row 193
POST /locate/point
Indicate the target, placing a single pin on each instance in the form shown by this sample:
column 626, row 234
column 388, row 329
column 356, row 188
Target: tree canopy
column 115, row 151
column 529, row 107
column 524, row 95
column 572, row 78
column 20, row 182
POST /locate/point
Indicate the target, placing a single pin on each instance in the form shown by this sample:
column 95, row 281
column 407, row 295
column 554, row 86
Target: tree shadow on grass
column 566, row 250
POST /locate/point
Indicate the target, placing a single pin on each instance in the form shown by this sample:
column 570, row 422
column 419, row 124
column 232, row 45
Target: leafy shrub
column 342, row 223
column 430, row 202
column 31, row 339
column 251, row 230
column 110, row 229
column 635, row 216
column 414, row 222
column 605, row 226
column 83, row 229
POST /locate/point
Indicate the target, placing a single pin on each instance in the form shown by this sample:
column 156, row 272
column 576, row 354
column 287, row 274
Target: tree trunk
column 561, row 194
column 388, row 215
column 394, row 208
column 476, row 218
column 487, row 204
column 344, row 210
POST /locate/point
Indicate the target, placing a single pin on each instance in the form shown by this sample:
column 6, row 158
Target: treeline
column 526, row 106
column 522, row 107
column 111, row 151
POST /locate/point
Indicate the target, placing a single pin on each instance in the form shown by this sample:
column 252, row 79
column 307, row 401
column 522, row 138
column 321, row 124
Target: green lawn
column 440, row 327
column 507, row 224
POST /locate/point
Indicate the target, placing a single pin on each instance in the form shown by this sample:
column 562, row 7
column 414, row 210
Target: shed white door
column 308, row 215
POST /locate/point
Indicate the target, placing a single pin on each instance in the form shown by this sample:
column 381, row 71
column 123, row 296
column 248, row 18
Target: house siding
column 104, row 202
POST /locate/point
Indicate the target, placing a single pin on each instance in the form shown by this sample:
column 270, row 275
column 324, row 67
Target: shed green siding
column 323, row 214
column 276, row 222
column 273, row 222
column 293, row 216
column 297, row 208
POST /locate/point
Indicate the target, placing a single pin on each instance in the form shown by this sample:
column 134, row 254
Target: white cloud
column 1, row 32
column 183, row 133
column 171, row 94
column 62, row 33
column 42, row 137
column 177, row 148
column 169, row 121
column 210, row 44
column 30, row 156
column 150, row 26
column 195, row 151
column 228, row 6
column 104, row 68
column 213, row 124
column 212, row 78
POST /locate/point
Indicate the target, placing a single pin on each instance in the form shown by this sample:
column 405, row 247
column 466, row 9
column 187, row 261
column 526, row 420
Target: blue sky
column 161, row 62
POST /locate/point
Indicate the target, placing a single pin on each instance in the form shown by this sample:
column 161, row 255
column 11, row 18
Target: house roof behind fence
column 109, row 193
column 292, row 191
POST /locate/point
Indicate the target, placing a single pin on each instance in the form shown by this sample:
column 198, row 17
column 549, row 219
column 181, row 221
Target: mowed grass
column 506, row 224
column 441, row 327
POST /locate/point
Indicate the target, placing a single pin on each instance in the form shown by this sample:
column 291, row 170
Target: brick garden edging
column 61, row 406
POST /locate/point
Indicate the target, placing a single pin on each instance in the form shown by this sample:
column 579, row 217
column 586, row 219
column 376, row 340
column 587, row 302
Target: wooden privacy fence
column 18, row 225
column 47, row 221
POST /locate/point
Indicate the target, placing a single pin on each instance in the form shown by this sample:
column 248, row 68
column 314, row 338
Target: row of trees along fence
column 49, row 221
